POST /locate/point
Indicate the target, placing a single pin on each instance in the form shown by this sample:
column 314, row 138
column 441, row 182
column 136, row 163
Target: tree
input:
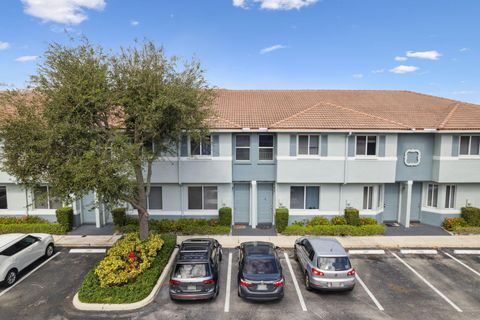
column 90, row 120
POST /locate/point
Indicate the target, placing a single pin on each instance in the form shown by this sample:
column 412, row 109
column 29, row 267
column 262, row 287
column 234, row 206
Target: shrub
column 451, row 224
column 471, row 216
column 336, row 230
column 52, row 228
column 65, row 217
column 467, row 230
column 338, row 220
column 181, row 226
column 21, row 220
column 225, row 216
column 302, row 223
column 127, row 258
column 281, row 219
column 318, row 221
column 367, row 221
column 352, row 216
column 119, row 216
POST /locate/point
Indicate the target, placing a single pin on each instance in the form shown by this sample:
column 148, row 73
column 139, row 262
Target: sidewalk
column 85, row 241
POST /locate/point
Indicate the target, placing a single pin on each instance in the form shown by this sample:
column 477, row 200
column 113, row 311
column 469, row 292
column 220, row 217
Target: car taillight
column 278, row 283
column 317, row 272
column 351, row 273
column 209, row 281
column 245, row 283
column 174, row 282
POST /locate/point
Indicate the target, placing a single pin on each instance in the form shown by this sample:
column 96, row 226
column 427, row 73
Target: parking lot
column 393, row 285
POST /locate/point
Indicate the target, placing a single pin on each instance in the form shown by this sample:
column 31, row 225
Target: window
column 19, row 246
column 201, row 148
column 379, row 199
column 368, row 198
column 43, row 200
column 366, row 146
column 191, row 271
column 202, row 198
column 242, row 147
column 3, row 198
column 265, row 147
column 334, row 263
column 308, row 144
column 155, row 200
column 432, row 195
column 304, row 197
column 470, row 145
column 450, row 196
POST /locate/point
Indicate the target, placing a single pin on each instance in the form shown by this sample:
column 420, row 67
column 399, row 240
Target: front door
column 88, row 210
column 265, row 203
column 241, row 203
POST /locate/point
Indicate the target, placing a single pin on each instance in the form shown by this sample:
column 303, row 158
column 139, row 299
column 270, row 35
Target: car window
column 334, row 263
column 18, row 246
column 191, row 271
column 260, row 266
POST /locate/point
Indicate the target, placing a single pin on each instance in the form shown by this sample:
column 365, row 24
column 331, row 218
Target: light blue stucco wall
column 425, row 144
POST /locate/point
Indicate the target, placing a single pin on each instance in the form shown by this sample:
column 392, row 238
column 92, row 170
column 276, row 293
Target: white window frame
column 370, row 197
column 468, row 155
column 450, row 199
column 380, row 197
column 6, row 196
column 366, row 146
column 308, row 146
column 48, row 200
column 259, row 148
column 243, row 147
column 304, row 197
column 427, row 198
column 203, row 197
column 201, row 144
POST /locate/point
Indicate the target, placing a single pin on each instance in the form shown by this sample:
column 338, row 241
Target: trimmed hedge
column 337, row 220
column 367, row 221
column 22, row 220
column 281, row 219
column 52, row 228
column 91, row 292
column 467, row 230
column 352, row 216
column 451, row 224
column 119, row 216
column 65, row 217
column 471, row 216
column 180, row 226
column 335, row 230
column 225, row 216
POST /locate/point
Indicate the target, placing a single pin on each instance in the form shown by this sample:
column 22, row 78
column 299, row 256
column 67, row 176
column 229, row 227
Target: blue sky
column 430, row 46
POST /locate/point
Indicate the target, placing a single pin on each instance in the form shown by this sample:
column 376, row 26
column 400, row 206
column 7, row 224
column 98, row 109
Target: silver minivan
column 325, row 264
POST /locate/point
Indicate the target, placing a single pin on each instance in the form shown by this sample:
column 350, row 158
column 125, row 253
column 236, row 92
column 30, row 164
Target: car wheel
column 308, row 286
column 220, row 256
column 11, row 277
column 49, row 251
column 295, row 254
column 239, row 292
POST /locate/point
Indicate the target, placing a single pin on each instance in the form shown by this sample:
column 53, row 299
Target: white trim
column 418, row 251
column 229, row 284
column 475, row 252
column 306, row 157
column 412, row 164
column 440, row 210
column 308, row 145
column 459, row 157
column 373, row 251
column 377, row 146
column 371, row 158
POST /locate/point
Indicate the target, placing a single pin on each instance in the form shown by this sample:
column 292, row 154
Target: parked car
column 18, row 251
column 260, row 275
column 195, row 275
column 325, row 264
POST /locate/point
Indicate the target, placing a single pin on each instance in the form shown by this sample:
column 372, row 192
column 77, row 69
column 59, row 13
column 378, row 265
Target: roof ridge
column 226, row 120
column 449, row 115
column 296, row 114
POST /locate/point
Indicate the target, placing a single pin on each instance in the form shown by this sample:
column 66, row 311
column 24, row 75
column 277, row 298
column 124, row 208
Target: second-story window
column 242, row 147
column 450, row 196
column 366, row 146
column 201, row 148
column 265, row 147
column 308, row 144
column 470, row 145
column 432, row 195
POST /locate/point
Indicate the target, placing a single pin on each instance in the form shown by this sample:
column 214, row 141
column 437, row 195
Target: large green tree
column 90, row 119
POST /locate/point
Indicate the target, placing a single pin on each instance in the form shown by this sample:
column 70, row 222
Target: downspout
column 345, row 168
column 179, row 153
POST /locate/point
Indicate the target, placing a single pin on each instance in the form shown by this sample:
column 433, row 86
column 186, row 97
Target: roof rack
column 191, row 251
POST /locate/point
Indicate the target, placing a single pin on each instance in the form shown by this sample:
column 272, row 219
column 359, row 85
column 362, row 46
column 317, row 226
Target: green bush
column 22, row 220
column 352, row 216
column 338, row 220
column 180, row 226
column 92, row 292
column 467, row 230
column 119, row 216
column 318, row 221
column 451, row 224
column 336, row 230
column 52, row 228
column 65, row 217
column 281, row 219
column 367, row 221
column 225, row 216
column 471, row 216
column 302, row 223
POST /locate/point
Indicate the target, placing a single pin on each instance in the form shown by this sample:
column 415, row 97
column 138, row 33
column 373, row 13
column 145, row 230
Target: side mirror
column 177, row 246
column 237, row 247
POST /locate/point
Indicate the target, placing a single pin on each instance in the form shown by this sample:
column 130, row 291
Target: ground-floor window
column 450, row 196
column 43, row 200
column 380, row 196
column 367, row 198
column 3, row 197
column 155, row 200
column 304, row 197
column 202, row 197
column 432, row 195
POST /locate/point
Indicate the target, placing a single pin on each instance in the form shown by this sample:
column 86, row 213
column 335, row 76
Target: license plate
column 262, row 287
column 191, row 288
column 335, row 284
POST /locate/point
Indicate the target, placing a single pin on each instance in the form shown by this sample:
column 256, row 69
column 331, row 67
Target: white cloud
column 464, row 49
column 404, row 69
column 275, row 4
column 272, row 48
column 378, row 71
column 429, row 55
column 398, row 58
column 357, row 75
column 26, row 58
column 4, row 45
column 463, row 92
column 134, row 23
column 61, row 11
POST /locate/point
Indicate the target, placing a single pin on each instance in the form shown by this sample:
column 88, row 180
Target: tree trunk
column 143, row 222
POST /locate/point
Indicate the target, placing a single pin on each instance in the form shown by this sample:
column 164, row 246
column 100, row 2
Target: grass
column 91, row 292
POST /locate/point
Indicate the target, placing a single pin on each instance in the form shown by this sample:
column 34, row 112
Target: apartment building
column 395, row 155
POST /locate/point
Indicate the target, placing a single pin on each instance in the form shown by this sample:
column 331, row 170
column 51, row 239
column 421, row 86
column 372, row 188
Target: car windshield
column 190, row 271
column 334, row 263
column 259, row 265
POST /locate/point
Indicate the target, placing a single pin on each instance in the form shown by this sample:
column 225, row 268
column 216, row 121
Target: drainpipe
column 345, row 167
column 180, row 180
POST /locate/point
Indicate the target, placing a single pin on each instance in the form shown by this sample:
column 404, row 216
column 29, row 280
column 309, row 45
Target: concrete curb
column 76, row 241
column 128, row 306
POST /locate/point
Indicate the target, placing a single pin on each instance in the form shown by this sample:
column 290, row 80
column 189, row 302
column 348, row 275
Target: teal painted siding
column 425, row 144
column 241, row 203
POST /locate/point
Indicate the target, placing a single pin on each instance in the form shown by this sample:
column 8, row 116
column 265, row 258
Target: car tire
column 220, row 256
column 49, row 250
column 308, row 286
column 11, row 277
column 239, row 292
column 295, row 255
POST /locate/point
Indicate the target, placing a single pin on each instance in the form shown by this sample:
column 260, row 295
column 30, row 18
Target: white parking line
column 366, row 251
column 466, row 252
column 229, row 284
column 88, row 250
column 28, row 274
column 295, row 283
column 428, row 283
column 463, row 264
column 379, row 306
column 418, row 251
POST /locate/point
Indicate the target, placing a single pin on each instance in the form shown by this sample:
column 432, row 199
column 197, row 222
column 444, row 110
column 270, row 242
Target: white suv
column 18, row 251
